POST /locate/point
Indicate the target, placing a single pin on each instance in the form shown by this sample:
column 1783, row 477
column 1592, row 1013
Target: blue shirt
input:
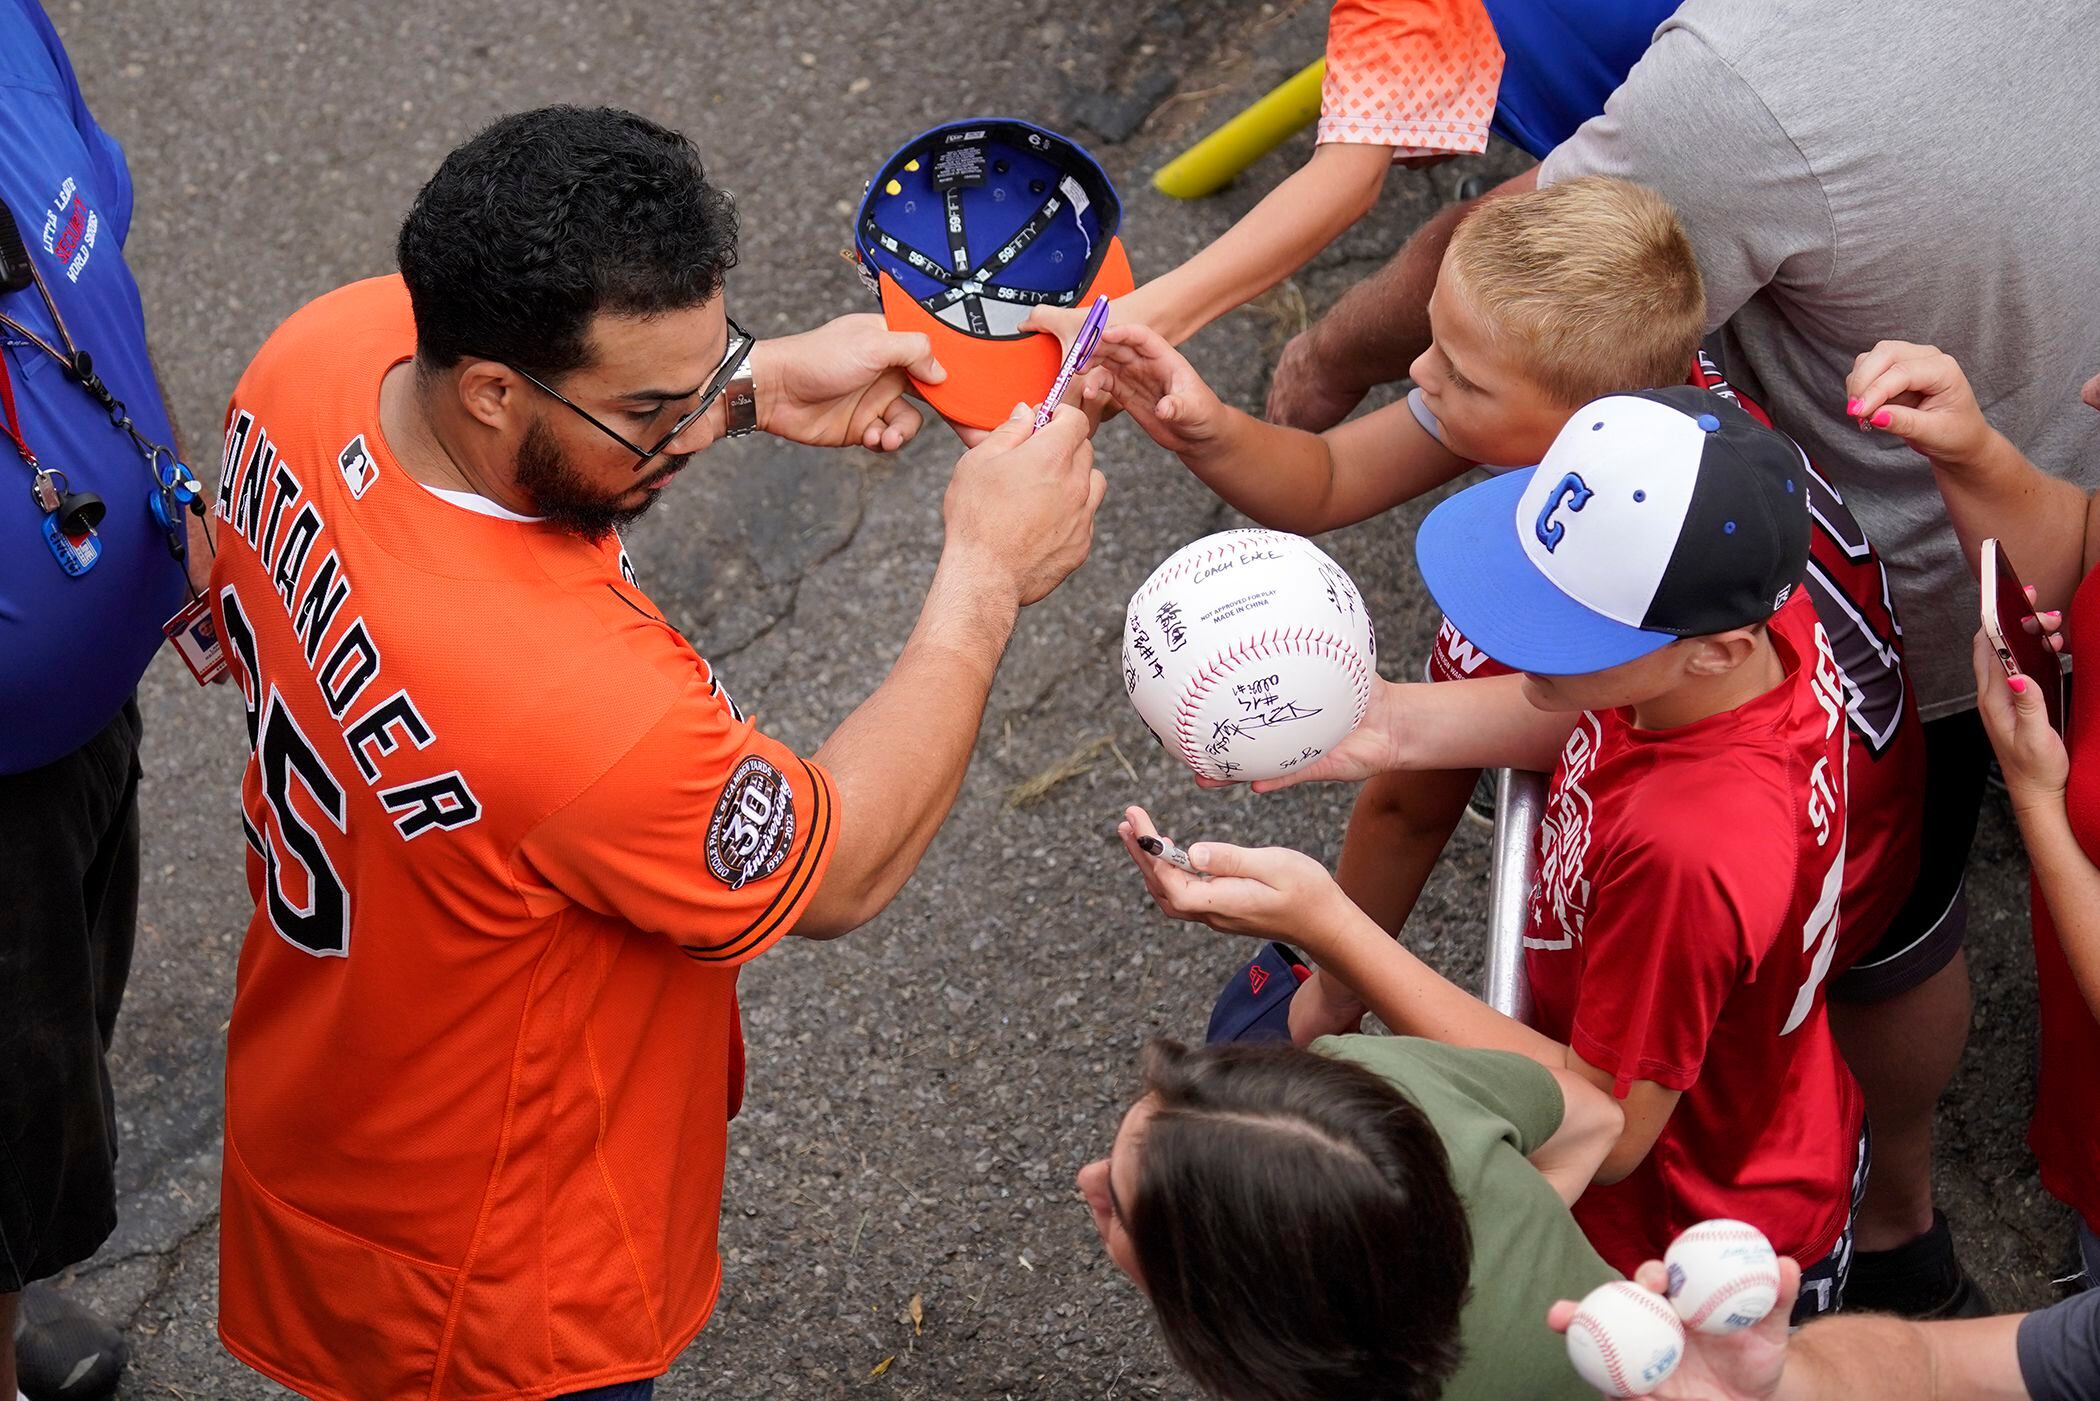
column 1562, row 58
column 72, row 649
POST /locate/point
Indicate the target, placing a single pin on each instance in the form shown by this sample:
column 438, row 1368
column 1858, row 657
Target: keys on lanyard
column 43, row 489
column 70, row 517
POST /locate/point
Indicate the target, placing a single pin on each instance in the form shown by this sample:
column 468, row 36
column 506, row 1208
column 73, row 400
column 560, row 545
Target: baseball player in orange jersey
column 510, row 837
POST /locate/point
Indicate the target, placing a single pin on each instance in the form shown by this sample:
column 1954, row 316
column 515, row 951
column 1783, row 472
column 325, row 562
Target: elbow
column 1620, row 1159
column 1607, row 1142
column 1353, row 177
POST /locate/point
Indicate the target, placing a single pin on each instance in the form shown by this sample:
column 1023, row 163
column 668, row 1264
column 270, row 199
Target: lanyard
column 175, row 488
column 79, row 367
column 12, row 424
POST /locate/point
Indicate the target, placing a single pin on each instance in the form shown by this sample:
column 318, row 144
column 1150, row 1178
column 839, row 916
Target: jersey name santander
column 1683, row 926
column 509, row 842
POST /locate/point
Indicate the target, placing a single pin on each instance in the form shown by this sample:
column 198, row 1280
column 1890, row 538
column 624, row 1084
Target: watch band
column 741, row 396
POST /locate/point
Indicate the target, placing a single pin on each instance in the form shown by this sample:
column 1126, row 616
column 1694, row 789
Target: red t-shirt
column 1850, row 590
column 1682, row 929
column 2065, row 1133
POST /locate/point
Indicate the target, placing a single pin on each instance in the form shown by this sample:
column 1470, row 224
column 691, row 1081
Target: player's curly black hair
column 547, row 217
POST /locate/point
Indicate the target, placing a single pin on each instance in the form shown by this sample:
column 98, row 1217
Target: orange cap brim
column 986, row 378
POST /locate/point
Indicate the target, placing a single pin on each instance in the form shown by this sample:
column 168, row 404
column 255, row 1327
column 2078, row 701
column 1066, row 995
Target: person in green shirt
column 1375, row 1218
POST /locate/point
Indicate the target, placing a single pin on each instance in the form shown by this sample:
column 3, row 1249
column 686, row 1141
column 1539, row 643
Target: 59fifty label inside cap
column 959, row 166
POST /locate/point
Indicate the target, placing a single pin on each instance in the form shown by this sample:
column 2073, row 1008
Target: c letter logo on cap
column 1569, row 489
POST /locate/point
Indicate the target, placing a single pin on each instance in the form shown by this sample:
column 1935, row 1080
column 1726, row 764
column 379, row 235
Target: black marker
column 1166, row 851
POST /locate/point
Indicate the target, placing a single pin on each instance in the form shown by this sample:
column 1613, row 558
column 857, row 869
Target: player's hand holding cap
column 968, row 228
column 1655, row 516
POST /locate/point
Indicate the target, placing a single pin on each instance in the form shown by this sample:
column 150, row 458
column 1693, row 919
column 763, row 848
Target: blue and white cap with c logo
column 1664, row 514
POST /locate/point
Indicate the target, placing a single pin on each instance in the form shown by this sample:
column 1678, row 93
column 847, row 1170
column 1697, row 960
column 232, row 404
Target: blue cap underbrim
column 1477, row 571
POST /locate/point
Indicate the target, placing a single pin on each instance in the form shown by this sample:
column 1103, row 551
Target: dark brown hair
column 1296, row 1226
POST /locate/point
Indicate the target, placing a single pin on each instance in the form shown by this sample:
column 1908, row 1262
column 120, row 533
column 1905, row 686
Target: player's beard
column 566, row 499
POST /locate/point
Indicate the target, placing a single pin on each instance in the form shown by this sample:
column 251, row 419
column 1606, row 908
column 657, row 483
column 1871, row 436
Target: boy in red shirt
column 1646, row 580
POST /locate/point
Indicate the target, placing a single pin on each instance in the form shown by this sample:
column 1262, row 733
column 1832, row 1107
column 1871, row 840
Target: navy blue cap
column 1255, row 1003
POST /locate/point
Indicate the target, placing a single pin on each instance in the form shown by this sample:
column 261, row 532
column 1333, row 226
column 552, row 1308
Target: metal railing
column 1513, row 865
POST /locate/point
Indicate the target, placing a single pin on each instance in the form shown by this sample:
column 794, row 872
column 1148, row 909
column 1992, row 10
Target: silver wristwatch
column 741, row 396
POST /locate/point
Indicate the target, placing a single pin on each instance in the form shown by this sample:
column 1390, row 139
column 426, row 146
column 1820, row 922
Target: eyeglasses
column 739, row 351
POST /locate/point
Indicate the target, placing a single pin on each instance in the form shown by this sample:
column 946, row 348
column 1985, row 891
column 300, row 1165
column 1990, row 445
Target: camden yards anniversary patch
column 753, row 826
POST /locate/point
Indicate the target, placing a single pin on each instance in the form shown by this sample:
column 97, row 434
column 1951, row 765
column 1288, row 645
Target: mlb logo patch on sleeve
column 753, row 824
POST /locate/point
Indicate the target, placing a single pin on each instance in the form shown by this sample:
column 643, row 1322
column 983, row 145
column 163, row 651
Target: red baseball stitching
column 1721, row 1294
column 1605, row 1350
column 1243, row 538
column 1708, row 1230
column 1298, row 641
column 1654, row 1303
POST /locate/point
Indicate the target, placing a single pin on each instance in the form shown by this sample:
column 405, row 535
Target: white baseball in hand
column 1723, row 1276
column 1249, row 653
column 1623, row 1340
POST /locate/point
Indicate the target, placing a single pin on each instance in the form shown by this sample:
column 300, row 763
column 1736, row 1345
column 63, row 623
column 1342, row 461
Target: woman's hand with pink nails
column 1920, row 394
column 2031, row 754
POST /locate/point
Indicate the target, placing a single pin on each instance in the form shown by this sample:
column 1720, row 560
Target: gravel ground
column 923, row 1092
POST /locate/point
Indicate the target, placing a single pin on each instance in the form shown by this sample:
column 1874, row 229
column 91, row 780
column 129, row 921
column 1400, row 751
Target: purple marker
column 1075, row 359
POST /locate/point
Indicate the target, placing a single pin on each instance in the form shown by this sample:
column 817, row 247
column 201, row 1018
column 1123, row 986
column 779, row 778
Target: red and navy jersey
column 1850, row 590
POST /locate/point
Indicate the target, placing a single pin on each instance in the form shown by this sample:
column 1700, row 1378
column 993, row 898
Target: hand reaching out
column 1158, row 387
column 1264, row 892
column 1302, row 394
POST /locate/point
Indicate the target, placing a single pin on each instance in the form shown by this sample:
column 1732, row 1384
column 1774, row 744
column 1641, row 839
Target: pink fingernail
column 1852, row 407
column 1881, row 418
column 2018, row 684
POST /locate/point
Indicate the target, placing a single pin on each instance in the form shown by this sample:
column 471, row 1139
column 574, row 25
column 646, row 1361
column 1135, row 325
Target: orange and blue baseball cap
column 967, row 229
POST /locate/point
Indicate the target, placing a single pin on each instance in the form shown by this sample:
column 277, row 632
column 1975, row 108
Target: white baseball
column 1249, row 653
column 1723, row 1276
column 1624, row 1340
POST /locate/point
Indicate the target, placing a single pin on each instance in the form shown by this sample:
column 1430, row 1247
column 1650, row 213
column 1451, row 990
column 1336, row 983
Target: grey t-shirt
column 1852, row 171
column 2059, row 1350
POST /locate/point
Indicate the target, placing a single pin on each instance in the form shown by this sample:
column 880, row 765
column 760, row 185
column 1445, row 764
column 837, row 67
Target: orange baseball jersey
column 1420, row 76
column 509, row 842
